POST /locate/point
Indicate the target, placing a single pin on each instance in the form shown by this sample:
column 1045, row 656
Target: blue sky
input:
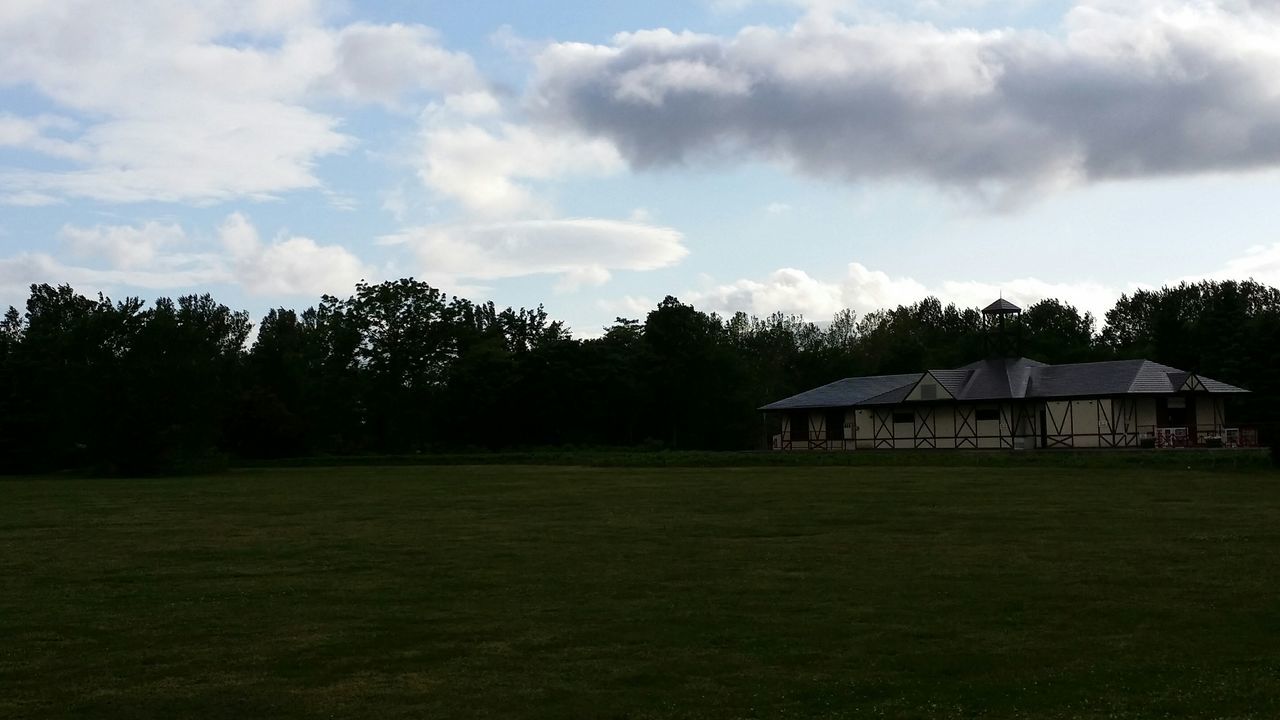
column 793, row 155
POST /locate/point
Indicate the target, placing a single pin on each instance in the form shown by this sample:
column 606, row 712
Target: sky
column 801, row 156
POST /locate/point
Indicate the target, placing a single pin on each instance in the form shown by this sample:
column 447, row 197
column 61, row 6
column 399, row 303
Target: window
column 904, row 417
column 928, row 392
column 988, row 414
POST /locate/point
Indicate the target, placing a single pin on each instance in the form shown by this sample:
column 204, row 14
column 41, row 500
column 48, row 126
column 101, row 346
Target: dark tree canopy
column 400, row 367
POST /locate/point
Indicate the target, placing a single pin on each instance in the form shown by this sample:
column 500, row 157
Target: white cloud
column 632, row 307
column 1128, row 90
column 201, row 102
column 577, row 278
column 33, row 134
column 579, row 250
column 394, row 202
column 787, row 290
column 486, row 170
column 1085, row 296
column 864, row 290
column 164, row 256
column 183, row 273
column 123, row 246
column 380, row 63
column 777, row 208
column 1261, row 263
column 880, row 8
column 472, row 104
column 288, row 265
column 27, row 198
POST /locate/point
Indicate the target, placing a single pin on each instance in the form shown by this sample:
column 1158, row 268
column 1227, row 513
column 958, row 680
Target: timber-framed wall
column 1101, row 422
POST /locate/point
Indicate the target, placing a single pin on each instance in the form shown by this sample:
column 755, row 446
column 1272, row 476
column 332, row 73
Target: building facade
column 1011, row 403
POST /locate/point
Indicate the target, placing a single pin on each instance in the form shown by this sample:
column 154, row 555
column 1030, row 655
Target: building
column 1011, row 403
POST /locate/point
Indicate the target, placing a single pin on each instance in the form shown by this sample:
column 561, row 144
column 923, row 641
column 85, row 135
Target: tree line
column 401, row 367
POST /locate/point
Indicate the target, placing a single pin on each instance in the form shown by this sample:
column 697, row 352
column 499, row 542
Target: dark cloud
column 1126, row 90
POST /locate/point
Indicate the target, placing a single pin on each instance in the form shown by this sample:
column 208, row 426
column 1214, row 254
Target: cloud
column 1126, row 90
column 486, row 169
column 123, row 246
column 880, row 8
column 201, row 102
column 33, row 134
column 27, row 198
column 864, row 290
column 628, row 306
column 380, row 63
column 579, row 250
column 788, row 290
column 577, row 278
column 812, row 6
column 164, row 256
column 288, row 265
column 1261, row 263
column 184, row 273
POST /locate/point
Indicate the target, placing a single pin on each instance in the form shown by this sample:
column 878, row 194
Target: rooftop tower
column 1002, row 341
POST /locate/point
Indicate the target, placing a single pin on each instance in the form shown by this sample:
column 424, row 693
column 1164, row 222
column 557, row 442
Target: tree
column 696, row 379
column 186, row 357
column 401, row 367
column 1054, row 332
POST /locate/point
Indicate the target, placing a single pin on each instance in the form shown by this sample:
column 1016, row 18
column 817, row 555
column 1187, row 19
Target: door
column 835, row 429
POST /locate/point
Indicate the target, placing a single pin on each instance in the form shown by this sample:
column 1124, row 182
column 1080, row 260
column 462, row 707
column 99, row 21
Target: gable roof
column 933, row 384
column 953, row 381
column 1009, row 379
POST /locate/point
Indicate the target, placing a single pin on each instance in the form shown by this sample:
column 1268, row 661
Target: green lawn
column 441, row 592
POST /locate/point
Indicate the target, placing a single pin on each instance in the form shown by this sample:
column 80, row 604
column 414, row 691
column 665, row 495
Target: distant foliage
column 399, row 367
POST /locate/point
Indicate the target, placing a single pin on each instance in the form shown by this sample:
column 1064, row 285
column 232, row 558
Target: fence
column 1179, row 437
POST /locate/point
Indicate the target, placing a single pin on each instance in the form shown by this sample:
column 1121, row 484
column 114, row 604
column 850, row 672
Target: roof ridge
column 1023, row 370
column 1095, row 362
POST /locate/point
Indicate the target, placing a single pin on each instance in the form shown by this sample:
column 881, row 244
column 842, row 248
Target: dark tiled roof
column 894, row 396
column 998, row 378
column 843, row 393
column 1001, row 306
column 1008, row 379
column 952, row 380
column 1217, row 386
column 1117, row 377
column 1101, row 378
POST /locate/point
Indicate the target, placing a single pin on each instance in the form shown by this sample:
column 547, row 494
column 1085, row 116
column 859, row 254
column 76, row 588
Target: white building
column 1010, row 403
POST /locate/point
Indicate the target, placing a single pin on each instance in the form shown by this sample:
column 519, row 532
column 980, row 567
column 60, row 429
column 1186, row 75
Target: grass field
column 642, row 593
